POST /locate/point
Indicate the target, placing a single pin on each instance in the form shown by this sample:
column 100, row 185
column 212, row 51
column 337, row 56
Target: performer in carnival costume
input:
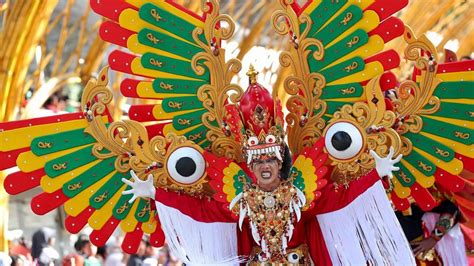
column 281, row 226
column 195, row 141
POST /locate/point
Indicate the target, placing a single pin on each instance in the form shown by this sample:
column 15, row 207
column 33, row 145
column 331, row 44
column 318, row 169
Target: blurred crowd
column 41, row 251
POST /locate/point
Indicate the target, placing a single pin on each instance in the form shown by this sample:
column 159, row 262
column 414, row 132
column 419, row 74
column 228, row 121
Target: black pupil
column 185, row 166
column 295, row 256
column 341, row 140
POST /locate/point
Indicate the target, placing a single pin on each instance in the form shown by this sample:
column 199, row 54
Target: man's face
column 267, row 173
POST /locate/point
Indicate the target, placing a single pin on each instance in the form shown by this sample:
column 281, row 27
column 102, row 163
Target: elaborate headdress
column 256, row 122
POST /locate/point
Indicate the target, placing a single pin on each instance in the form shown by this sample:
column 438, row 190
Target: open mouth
column 266, row 174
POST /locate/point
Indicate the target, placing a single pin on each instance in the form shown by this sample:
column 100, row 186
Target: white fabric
column 451, row 247
column 366, row 232
column 198, row 243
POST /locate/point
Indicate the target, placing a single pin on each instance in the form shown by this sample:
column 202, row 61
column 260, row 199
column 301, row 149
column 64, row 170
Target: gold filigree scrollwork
column 441, row 152
column 175, row 105
column 305, row 122
column 347, row 18
column 152, row 38
column 44, row 145
column 220, row 91
column 166, row 86
column 374, row 123
column 346, row 91
column 416, row 98
column 155, row 15
column 155, row 62
column 59, row 166
column 75, row 186
column 353, row 42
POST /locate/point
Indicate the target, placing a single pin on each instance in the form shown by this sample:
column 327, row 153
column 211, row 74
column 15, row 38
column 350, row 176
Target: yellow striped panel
column 401, row 191
column 150, row 226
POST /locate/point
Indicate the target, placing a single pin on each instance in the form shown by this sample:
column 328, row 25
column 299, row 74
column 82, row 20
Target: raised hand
column 385, row 166
column 142, row 189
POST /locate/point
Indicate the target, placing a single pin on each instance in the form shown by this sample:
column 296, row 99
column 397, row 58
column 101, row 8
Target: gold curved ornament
column 374, row 123
column 220, row 91
column 416, row 98
column 304, row 121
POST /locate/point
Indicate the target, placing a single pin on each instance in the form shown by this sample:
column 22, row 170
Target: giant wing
column 435, row 122
column 340, row 69
column 174, row 60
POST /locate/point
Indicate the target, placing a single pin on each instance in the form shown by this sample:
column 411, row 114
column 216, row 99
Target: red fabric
column 307, row 230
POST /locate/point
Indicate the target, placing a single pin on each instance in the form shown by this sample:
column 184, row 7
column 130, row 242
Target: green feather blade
column 167, row 43
column 184, row 121
column 142, row 214
column 342, row 69
column 122, row 207
column 169, row 22
column 342, row 91
column 176, row 104
column 432, row 147
column 404, row 176
column 197, row 135
column 453, row 132
column 455, row 90
column 171, row 65
column 177, row 86
column 89, row 177
column 454, row 110
column 420, row 163
column 69, row 162
column 106, row 192
column 322, row 13
column 238, row 184
column 298, row 180
column 344, row 47
column 60, row 142
column 340, row 24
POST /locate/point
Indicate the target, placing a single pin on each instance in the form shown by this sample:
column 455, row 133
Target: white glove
column 142, row 189
column 385, row 166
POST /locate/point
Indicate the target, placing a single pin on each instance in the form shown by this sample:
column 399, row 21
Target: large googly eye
column 270, row 139
column 252, row 141
column 186, row 165
column 343, row 140
column 293, row 257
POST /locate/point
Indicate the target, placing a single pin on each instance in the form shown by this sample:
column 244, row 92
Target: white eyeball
column 252, row 141
column 343, row 140
column 293, row 257
column 186, row 165
column 270, row 139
